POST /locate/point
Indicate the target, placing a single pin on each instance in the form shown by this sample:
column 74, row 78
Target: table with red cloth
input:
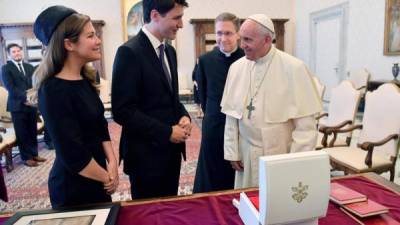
column 216, row 208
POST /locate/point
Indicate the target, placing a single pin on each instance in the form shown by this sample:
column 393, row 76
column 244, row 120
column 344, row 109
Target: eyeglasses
column 227, row 34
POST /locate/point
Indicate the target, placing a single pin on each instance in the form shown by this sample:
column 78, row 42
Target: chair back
column 105, row 91
column 359, row 78
column 3, row 103
column 343, row 103
column 319, row 86
column 381, row 118
column 3, row 108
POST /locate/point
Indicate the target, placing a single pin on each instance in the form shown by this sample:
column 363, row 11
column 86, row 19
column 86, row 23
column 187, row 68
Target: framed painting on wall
column 132, row 17
column 392, row 28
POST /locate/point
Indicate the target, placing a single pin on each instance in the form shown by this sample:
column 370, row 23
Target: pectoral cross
column 250, row 108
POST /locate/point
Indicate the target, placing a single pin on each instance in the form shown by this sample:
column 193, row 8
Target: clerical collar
column 267, row 57
column 228, row 54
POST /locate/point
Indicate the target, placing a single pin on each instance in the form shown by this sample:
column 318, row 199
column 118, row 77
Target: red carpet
column 188, row 169
column 27, row 186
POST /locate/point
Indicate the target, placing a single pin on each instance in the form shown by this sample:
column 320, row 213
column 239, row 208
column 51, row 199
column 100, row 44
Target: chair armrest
column 324, row 129
column 369, row 146
column 346, row 130
column 4, row 130
column 320, row 116
column 5, row 119
column 328, row 130
column 351, row 128
column 362, row 87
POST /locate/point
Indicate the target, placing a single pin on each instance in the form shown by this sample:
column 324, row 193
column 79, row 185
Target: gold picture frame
column 392, row 28
column 132, row 17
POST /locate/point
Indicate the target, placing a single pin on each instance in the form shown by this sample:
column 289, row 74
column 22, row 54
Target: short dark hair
column 162, row 6
column 226, row 16
column 12, row 45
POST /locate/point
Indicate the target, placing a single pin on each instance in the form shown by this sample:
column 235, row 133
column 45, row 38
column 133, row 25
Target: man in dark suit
column 17, row 79
column 145, row 102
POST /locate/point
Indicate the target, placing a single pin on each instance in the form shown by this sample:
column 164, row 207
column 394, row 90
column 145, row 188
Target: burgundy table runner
column 218, row 209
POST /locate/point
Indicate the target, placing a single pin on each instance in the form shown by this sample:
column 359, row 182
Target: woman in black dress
column 85, row 167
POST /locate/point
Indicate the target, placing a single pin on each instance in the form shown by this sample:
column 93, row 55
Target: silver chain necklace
column 250, row 107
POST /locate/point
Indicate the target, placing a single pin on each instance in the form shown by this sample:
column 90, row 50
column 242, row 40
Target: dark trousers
column 165, row 184
column 25, row 127
column 46, row 136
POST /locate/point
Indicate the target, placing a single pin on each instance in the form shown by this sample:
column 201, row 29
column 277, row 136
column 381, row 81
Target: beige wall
column 211, row 8
column 364, row 39
column 14, row 11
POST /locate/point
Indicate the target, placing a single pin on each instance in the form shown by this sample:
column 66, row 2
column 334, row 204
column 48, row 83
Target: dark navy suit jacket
column 145, row 106
column 17, row 84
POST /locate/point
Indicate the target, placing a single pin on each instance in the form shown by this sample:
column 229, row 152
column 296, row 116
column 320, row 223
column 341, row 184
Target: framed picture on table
column 392, row 28
column 96, row 215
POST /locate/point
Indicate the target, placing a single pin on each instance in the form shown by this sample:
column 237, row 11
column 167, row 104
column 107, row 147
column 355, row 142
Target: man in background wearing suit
column 145, row 102
column 17, row 79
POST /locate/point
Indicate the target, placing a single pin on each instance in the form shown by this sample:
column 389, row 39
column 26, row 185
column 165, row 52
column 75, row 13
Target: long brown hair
column 55, row 54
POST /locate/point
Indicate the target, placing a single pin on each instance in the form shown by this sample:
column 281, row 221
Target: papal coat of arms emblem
column 300, row 192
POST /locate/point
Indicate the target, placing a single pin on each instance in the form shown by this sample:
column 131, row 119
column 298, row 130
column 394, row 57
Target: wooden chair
column 343, row 107
column 321, row 90
column 377, row 147
column 40, row 124
column 185, row 91
column 360, row 79
column 8, row 138
column 105, row 94
column 319, row 86
column 8, row 141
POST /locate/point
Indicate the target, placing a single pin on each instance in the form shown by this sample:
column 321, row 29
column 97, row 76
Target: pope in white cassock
column 269, row 100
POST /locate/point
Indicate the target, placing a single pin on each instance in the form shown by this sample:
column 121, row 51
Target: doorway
column 329, row 45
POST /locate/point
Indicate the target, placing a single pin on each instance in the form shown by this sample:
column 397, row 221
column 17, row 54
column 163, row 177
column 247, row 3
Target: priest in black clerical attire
column 213, row 172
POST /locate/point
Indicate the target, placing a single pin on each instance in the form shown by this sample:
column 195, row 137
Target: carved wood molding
column 203, row 27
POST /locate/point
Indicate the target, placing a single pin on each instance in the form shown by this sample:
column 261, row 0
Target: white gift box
column 293, row 189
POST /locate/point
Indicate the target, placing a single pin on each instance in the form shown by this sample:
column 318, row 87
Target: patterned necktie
column 164, row 66
column 20, row 68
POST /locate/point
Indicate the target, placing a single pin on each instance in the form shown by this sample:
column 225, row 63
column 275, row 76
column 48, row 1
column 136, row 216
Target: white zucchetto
column 263, row 20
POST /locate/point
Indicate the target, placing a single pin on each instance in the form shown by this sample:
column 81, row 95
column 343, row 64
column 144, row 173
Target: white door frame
column 338, row 11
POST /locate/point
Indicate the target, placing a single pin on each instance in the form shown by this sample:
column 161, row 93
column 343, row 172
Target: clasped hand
column 112, row 184
column 181, row 131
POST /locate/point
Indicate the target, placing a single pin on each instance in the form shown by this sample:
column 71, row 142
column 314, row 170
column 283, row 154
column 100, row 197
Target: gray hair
column 265, row 31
